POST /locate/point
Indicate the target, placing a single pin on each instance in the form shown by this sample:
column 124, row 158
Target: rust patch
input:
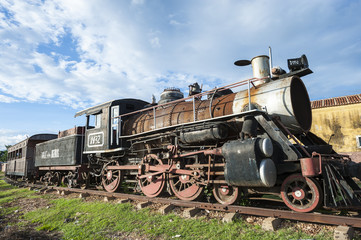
column 178, row 113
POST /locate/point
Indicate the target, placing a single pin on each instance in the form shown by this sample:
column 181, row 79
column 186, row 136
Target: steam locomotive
column 236, row 144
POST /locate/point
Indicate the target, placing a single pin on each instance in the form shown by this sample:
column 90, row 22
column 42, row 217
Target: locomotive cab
column 103, row 125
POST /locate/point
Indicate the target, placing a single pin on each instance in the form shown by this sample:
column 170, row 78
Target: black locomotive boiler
column 236, row 144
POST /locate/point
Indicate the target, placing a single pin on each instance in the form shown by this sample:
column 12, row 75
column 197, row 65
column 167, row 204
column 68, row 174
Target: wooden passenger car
column 20, row 160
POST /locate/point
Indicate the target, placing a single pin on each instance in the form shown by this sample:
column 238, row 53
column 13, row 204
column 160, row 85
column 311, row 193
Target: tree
column 4, row 154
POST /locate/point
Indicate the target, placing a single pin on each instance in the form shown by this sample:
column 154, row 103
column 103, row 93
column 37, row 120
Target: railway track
column 254, row 211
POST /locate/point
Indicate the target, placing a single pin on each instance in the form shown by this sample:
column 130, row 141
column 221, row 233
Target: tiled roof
column 337, row 101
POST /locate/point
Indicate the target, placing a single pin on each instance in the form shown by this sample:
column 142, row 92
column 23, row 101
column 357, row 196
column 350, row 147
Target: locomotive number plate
column 96, row 139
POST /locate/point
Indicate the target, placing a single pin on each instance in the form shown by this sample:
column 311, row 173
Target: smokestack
column 261, row 68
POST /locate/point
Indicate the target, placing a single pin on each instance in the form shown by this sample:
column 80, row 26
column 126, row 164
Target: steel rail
column 263, row 212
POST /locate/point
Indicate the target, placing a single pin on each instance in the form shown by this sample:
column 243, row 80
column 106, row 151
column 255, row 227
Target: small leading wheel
column 301, row 194
column 111, row 179
column 225, row 194
column 152, row 185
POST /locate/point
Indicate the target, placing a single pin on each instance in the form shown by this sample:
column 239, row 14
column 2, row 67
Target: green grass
column 79, row 219
column 98, row 220
column 9, row 193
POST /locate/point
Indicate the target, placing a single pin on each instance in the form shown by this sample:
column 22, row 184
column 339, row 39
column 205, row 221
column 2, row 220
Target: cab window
column 94, row 121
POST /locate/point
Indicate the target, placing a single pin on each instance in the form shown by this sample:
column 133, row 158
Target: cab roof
column 98, row 108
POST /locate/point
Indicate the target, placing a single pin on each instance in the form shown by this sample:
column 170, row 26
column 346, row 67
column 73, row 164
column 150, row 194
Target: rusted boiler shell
column 178, row 113
column 286, row 98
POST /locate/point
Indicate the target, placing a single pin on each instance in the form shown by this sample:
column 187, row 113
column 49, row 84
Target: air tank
column 210, row 134
column 248, row 163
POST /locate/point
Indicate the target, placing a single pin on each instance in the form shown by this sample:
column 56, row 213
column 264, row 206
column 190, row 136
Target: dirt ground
column 8, row 223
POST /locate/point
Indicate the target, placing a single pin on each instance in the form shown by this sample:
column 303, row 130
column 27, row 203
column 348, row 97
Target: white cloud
column 10, row 137
column 154, row 39
column 127, row 51
column 174, row 22
column 7, row 99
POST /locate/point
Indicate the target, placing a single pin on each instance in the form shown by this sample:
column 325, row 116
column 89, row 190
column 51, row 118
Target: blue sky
column 58, row 57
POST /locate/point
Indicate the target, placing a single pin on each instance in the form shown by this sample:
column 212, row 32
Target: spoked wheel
column 47, row 178
column 56, row 179
column 185, row 187
column 43, row 179
column 69, row 180
column 111, row 179
column 225, row 194
column 152, row 185
column 301, row 194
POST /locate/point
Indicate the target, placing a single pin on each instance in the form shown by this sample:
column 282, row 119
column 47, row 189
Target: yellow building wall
column 343, row 121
